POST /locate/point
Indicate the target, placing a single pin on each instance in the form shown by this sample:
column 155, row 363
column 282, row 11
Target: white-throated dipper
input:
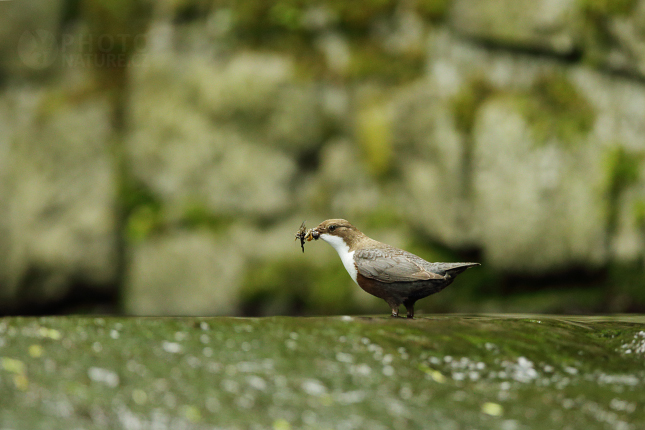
column 394, row 275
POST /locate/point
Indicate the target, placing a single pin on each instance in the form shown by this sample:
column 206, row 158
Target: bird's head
column 332, row 228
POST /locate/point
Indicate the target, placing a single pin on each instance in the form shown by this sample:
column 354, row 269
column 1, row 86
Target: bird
column 392, row 274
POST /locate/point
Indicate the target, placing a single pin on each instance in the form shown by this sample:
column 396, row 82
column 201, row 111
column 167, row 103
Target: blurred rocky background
column 157, row 157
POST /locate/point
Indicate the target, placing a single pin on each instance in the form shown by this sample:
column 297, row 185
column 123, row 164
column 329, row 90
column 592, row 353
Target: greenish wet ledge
column 443, row 371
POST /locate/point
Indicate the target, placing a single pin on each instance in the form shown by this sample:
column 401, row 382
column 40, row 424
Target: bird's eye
column 332, row 227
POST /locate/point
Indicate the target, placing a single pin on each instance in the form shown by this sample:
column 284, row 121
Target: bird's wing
column 392, row 265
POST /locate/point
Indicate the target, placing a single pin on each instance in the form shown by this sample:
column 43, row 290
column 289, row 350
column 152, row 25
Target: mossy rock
column 622, row 171
column 608, row 8
column 467, row 102
column 528, row 371
column 370, row 61
column 374, row 136
column 555, row 109
column 599, row 38
column 282, row 26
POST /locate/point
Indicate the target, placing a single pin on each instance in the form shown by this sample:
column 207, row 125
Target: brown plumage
column 392, row 274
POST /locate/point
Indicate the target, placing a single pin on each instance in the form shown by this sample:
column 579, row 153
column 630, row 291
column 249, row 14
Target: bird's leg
column 410, row 307
column 395, row 311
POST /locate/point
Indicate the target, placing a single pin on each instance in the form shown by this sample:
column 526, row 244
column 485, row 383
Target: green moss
column 117, row 22
column 382, row 217
column 285, row 372
column 555, row 109
column 254, row 16
column 370, row 61
column 359, row 15
column 606, row 8
column 197, row 215
column 280, row 26
column 467, row 102
column 622, row 171
column 434, row 10
column 287, row 15
column 142, row 210
column 638, row 211
column 145, row 216
column 374, row 136
column 297, row 287
column 599, row 39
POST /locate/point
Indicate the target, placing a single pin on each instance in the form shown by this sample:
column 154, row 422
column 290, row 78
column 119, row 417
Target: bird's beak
column 312, row 234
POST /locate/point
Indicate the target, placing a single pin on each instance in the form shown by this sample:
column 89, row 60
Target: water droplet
column 171, row 347
column 108, row 377
column 35, row 351
column 492, row 409
column 388, row 370
column 213, row 405
column 343, row 357
column 281, row 424
column 257, row 383
column 139, row 396
column 313, row 387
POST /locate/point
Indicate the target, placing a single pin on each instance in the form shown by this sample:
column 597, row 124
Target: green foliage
column 555, row 109
column 467, row 102
column 295, row 287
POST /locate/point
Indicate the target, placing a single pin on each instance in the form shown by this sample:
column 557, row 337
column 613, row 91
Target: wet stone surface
column 449, row 372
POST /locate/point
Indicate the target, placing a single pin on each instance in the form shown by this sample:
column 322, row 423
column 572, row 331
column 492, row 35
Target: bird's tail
column 454, row 269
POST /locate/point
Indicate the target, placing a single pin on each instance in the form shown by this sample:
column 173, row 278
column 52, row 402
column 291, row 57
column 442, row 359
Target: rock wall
column 166, row 152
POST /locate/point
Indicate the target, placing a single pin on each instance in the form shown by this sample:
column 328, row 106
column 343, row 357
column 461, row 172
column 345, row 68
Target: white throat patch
column 343, row 252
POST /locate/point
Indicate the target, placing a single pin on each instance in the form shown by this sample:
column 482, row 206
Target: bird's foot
column 410, row 307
